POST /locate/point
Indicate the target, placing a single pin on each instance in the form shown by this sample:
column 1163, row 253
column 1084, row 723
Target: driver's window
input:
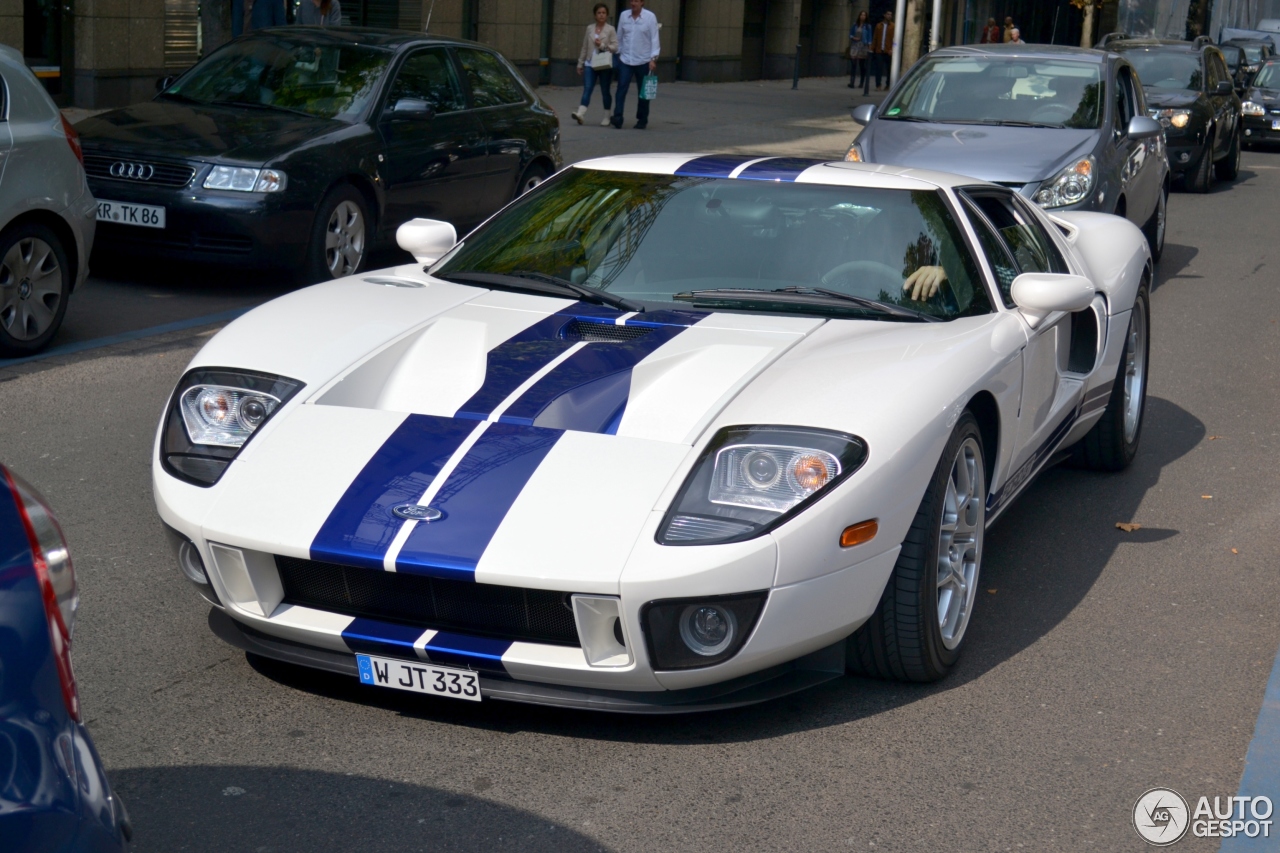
column 1032, row 249
column 427, row 75
column 1211, row 73
column 1002, row 264
column 1124, row 102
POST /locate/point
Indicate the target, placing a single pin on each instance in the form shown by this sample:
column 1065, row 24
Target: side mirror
column 165, row 82
column 864, row 113
column 1143, row 127
column 426, row 239
column 412, row 108
column 1224, row 87
column 1039, row 294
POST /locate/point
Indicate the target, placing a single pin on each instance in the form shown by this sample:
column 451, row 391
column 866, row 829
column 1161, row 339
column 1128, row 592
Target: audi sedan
column 304, row 147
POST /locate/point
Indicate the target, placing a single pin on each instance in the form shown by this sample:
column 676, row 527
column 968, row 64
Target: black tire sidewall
column 1152, row 229
column 10, row 346
column 529, row 171
column 316, row 268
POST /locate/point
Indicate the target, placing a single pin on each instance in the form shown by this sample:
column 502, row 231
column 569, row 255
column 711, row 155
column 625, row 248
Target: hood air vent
column 585, row 330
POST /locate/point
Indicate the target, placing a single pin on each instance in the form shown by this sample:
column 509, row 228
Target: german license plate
column 1275, row 124
column 419, row 677
column 126, row 213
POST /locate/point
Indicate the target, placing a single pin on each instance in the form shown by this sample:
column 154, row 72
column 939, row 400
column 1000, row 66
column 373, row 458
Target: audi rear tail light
column 73, row 139
column 57, row 580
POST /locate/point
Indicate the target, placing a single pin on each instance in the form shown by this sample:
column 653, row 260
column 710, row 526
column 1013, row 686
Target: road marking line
column 1262, row 763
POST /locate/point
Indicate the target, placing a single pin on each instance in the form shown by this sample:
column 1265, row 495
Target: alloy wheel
column 960, row 542
column 344, row 239
column 1135, row 370
column 30, row 288
column 531, row 181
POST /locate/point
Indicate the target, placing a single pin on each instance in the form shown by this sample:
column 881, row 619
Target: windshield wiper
column 541, row 283
column 254, row 105
column 177, row 96
column 1013, row 123
column 802, row 296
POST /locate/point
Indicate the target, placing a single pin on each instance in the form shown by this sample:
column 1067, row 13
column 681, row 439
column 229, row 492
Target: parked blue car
column 54, row 794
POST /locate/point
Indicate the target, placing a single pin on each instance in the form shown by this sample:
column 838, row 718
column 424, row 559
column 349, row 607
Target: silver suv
column 47, row 214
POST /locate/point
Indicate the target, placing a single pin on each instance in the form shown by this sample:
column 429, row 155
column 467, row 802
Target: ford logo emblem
column 132, row 171
column 416, row 512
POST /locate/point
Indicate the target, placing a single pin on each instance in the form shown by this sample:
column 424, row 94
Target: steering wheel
column 1053, row 113
column 880, row 276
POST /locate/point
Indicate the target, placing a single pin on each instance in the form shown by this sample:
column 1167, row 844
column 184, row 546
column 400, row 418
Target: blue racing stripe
column 713, row 165
column 371, row 637
column 475, row 499
column 778, row 169
column 471, row 652
column 360, row 527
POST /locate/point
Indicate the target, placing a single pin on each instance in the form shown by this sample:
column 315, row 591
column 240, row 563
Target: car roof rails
column 1109, row 38
column 1201, row 41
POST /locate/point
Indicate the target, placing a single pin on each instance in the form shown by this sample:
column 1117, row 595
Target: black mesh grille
column 98, row 167
column 580, row 330
column 509, row 612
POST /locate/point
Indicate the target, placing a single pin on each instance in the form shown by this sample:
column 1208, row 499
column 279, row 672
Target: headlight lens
column 752, row 478
column 1070, row 186
column 1170, row 117
column 245, row 180
column 1249, row 108
column 212, row 414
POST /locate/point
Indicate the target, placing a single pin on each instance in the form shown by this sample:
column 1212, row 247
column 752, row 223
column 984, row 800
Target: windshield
column 322, row 80
column 1268, row 77
column 1160, row 69
column 1253, row 52
column 648, row 238
column 991, row 90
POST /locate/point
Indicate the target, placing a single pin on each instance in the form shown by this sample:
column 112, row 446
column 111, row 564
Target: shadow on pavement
column 1042, row 558
column 1174, row 260
column 281, row 810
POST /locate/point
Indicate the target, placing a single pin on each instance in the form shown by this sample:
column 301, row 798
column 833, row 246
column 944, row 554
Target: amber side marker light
column 856, row 534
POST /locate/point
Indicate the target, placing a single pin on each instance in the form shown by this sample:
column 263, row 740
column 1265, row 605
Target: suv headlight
column 1070, row 186
column 1249, row 108
column 212, row 414
column 245, row 180
column 750, row 479
column 1171, row 117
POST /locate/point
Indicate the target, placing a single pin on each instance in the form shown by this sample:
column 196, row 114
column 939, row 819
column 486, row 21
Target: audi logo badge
column 132, row 171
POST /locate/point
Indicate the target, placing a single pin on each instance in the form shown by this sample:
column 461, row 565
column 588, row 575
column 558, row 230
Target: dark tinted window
column 1268, row 77
column 1167, row 69
column 1002, row 264
column 1032, row 248
column 427, row 75
column 490, row 81
column 1126, row 109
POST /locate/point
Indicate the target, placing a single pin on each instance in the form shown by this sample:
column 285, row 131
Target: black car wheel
column 1199, row 178
column 35, row 280
column 1228, row 167
column 534, row 175
column 339, row 235
column 1155, row 226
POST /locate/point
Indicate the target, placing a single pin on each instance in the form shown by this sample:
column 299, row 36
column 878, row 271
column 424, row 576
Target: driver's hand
column 924, row 282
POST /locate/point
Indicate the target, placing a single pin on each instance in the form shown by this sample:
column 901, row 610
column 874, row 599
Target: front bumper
column 1264, row 128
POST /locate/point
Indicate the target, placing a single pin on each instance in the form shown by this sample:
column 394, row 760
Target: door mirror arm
column 1039, row 294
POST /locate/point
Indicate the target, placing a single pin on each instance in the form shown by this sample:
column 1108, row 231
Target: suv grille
column 99, row 167
column 537, row 615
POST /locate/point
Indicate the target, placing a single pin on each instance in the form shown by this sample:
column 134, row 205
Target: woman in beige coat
column 595, row 61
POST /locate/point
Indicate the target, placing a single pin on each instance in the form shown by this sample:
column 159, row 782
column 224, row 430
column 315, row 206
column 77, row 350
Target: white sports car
column 668, row 433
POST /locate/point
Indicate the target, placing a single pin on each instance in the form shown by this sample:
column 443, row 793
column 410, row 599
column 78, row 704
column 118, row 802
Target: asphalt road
column 1100, row 663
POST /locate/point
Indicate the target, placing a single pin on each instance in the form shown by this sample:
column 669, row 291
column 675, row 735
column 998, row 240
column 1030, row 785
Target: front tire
column 1113, row 441
column 919, row 626
column 1156, row 225
column 35, row 282
column 339, row 235
column 535, row 174
column 1228, row 167
column 1200, row 179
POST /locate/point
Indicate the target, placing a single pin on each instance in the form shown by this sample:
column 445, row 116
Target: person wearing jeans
column 638, row 50
column 595, row 62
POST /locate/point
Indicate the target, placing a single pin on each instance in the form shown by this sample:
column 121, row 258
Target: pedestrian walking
column 318, row 13
column 990, row 33
column 860, row 35
column 595, row 62
column 1015, row 36
column 882, row 49
column 1008, row 30
column 638, row 50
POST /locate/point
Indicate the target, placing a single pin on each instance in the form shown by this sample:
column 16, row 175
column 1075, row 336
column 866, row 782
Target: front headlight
column 1070, row 186
column 211, row 415
column 1249, row 108
column 752, row 478
column 1171, row 117
column 245, row 180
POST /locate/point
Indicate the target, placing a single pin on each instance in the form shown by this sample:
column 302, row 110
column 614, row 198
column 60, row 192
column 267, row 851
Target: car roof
column 1177, row 44
column 373, row 36
column 1025, row 51
column 803, row 170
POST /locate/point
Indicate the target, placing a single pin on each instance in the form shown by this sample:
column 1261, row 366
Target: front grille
column 585, row 330
column 98, row 167
column 509, row 612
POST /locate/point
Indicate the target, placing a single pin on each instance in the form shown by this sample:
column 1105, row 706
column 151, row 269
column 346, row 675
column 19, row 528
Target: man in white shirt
column 638, row 50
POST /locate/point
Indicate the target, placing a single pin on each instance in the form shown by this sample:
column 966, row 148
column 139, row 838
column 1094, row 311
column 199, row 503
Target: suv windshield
column 286, row 74
column 991, row 90
column 649, row 238
column 1268, row 77
column 1167, row 69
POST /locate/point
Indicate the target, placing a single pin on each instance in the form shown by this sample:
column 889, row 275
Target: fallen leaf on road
column 1207, row 497
column 1234, row 551
column 1128, row 526
column 1214, row 437
column 992, row 591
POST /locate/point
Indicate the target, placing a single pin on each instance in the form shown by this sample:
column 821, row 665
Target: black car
column 1262, row 105
column 302, row 147
column 1245, row 57
column 1191, row 92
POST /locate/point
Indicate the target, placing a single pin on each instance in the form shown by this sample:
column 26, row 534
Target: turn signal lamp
column 857, row 534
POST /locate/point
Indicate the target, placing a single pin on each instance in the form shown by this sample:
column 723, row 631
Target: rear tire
column 535, row 174
column 35, row 283
column 339, row 235
column 1228, row 167
column 1113, row 441
column 1200, row 179
column 1156, row 225
column 918, row 629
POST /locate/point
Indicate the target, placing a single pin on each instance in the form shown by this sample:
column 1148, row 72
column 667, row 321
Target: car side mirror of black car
column 1142, row 127
column 864, row 113
column 1224, row 87
column 412, row 108
column 165, row 82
